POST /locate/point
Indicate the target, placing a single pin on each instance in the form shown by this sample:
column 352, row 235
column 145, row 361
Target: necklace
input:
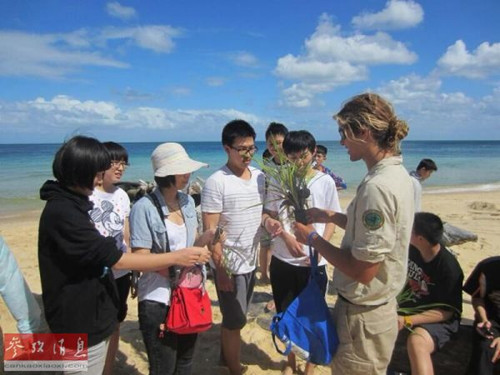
column 175, row 211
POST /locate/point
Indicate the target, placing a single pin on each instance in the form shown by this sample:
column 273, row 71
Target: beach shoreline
column 18, row 206
column 478, row 212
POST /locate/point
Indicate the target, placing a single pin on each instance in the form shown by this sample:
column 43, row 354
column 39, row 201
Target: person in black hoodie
column 78, row 289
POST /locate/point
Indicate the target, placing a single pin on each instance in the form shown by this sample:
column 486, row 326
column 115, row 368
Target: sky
column 163, row 70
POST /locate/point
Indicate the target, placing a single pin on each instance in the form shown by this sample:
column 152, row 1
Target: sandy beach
column 478, row 212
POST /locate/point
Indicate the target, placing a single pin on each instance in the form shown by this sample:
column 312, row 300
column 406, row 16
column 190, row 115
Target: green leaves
column 287, row 181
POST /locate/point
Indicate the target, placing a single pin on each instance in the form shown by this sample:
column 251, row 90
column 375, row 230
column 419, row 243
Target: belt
column 355, row 304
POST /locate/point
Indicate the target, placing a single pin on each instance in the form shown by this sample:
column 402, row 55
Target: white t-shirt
column 153, row 285
column 417, row 191
column 239, row 203
column 323, row 195
column 109, row 214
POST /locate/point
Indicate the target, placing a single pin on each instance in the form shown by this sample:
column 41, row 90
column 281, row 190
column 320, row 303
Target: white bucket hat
column 171, row 158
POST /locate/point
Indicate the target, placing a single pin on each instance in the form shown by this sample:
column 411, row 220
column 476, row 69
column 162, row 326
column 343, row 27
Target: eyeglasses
column 119, row 163
column 343, row 135
column 245, row 150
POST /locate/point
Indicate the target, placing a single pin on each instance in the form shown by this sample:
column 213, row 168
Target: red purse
column 190, row 311
column 190, row 307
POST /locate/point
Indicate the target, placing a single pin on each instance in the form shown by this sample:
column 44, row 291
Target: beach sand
column 476, row 212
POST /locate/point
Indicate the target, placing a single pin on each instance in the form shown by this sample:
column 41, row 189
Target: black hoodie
column 79, row 296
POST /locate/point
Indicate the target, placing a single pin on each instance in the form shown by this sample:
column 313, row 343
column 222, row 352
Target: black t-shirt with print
column 438, row 281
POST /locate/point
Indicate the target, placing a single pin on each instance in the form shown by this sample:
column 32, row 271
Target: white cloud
column 215, row 81
column 411, row 89
column 300, row 95
column 397, row 14
column 481, row 63
column 181, row 91
column 63, row 114
column 333, row 72
column 158, row 38
column 56, row 56
column 115, row 9
column 49, row 55
column 245, row 59
column 375, row 49
column 133, row 95
column 435, row 114
column 331, row 59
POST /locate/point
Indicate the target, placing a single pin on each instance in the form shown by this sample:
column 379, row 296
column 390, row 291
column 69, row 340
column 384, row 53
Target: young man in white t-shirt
column 232, row 198
column 424, row 170
column 110, row 216
column 290, row 266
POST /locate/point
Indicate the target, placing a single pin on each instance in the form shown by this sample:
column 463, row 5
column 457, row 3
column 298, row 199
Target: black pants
column 480, row 362
column 288, row 281
column 170, row 355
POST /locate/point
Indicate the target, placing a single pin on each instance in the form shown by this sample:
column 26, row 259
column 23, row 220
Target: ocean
column 462, row 166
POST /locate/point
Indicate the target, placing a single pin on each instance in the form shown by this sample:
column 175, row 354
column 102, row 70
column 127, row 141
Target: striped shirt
column 239, row 203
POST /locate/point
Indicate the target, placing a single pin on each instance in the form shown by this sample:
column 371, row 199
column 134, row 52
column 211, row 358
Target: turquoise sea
column 462, row 166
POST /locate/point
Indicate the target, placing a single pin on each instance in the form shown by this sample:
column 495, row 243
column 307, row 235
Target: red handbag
column 190, row 311
column 190, row 307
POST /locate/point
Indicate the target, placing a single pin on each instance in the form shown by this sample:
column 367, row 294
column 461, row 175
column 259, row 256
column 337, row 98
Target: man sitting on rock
column 432, row 313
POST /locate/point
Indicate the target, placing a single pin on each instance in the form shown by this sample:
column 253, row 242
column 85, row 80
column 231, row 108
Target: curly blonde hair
column 372, row 112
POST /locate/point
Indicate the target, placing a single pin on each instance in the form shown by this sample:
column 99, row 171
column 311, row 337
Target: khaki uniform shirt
column 379, row 223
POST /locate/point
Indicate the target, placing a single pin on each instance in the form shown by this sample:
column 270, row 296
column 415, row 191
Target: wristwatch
column 407, row 321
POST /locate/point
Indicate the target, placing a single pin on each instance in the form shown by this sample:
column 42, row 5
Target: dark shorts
column 441, row 332
column 287, row 281
column 234, row 305
column 123, row 286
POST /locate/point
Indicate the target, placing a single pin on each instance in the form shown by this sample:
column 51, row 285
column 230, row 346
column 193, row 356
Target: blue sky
column 162, row 70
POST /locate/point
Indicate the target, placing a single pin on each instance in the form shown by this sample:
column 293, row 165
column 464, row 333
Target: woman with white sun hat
column 150, row 233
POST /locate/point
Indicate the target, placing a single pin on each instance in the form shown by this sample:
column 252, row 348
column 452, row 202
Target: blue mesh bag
column 306, row 326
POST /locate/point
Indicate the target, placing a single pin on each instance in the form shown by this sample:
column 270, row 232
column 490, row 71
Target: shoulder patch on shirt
column 373, row 219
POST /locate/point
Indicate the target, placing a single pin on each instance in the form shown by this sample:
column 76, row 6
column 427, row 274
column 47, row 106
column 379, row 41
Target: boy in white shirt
column 290, row 266
column 110, row 216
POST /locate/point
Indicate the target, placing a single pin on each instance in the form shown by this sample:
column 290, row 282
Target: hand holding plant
column 212, row 236
column 317, row 215
column 301, row 231
column 406, row 296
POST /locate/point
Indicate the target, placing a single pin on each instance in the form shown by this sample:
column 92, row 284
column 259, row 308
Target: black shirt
column 438, row 281
column 490, row 268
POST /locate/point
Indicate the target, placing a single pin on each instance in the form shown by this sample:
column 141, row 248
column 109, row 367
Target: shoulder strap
column 313, row 256
column 154, row 199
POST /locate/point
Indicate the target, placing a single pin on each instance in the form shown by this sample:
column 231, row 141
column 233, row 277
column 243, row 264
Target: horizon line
column 218, row 141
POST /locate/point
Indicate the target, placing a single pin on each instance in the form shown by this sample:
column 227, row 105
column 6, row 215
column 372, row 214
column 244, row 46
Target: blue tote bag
column 306, row 327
